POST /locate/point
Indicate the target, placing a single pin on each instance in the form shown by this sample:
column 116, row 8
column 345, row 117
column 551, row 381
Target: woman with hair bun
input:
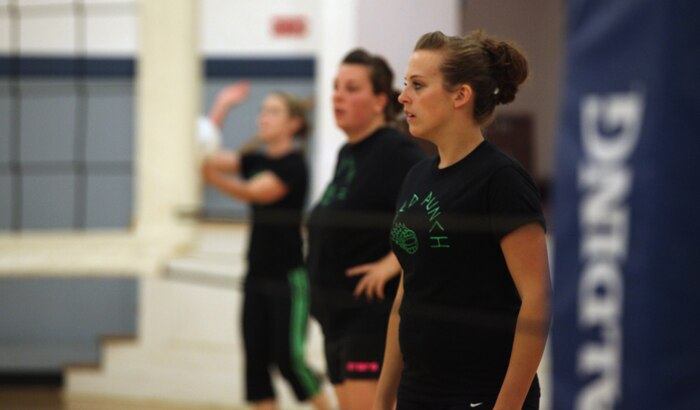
column 469, row 322
column 353, row 272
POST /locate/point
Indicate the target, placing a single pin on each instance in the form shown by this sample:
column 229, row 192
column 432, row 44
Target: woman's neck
column 360, row 134
column 452, row 147
column 279, row 147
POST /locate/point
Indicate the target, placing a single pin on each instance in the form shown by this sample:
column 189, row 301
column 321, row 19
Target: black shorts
column 355, row 357
column 414, row 397
column 354, row 331
column 412, row 402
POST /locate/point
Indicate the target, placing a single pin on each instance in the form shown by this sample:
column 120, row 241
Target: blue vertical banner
column 626, row 328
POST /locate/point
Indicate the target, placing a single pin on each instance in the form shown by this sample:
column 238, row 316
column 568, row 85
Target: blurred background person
column 354, row 273
column 273, row 180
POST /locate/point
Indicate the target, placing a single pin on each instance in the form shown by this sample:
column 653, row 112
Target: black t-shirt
column 275, row 244
column 350, row 225
column 460, row 304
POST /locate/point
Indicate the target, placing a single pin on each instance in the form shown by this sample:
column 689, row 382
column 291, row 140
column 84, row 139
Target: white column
column 338, row 35
column 168, row 90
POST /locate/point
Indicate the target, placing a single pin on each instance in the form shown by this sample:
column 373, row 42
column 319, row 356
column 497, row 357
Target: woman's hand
column 234, row 94
column 227, row 98
column 376, row 275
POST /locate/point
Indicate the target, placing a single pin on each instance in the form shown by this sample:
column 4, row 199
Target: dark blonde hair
column 493, row 68
column 297, row 108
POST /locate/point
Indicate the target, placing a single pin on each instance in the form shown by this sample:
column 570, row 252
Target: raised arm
column 525, row 251
column 228, row 98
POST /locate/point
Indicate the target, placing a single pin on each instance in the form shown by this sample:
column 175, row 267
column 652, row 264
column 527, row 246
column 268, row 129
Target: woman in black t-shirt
column 353, row 272
column 470, row 318
column 274, row 182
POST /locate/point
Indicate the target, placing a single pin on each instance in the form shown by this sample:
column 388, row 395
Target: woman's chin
column 266, row 139
column 340, row 123
column 415, row 131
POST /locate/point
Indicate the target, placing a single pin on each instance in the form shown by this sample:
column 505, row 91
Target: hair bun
column 508, row 67
column 493, row 68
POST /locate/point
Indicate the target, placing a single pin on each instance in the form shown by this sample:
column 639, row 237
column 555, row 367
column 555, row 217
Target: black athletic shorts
column 452, row 403
column 412, row 398
column 355, row 357
column 355, row 334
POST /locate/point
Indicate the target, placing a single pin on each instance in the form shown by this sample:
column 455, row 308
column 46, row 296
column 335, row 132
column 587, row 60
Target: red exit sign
column 289, row 26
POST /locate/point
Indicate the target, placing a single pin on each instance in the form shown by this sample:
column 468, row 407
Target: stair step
column 71, row 368
column 117, row 339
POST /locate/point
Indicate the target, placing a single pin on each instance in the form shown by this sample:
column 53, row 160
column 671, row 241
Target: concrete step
column 189, row 346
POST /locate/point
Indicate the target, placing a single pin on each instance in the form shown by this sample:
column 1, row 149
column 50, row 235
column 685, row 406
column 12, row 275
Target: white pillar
column 168, row 90
column 338, row 35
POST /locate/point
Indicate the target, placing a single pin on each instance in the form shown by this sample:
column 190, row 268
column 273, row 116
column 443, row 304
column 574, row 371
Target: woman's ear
column 380, row 100
column 463, row 95
column 295, row 124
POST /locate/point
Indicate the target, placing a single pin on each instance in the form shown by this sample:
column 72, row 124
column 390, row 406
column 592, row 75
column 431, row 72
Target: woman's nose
column 402, row 96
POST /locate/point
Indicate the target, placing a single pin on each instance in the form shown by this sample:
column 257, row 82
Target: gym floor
column 51, row 398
